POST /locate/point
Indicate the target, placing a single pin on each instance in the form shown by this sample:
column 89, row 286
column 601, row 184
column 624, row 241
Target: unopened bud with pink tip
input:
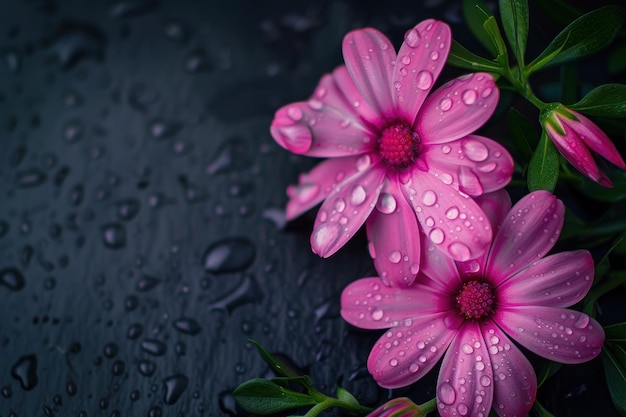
column 576, row 137
column 398, row 407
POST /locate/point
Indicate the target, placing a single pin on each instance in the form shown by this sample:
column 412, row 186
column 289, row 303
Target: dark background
column 142, row 235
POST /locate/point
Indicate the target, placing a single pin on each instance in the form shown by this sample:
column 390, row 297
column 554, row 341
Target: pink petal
column 394, row 237
column 451, row 220
column 315, row 128
column 559, row 280
column 317, row 184
column 515, row 382
column 464, row 385
column 558, row 334
column 353, row 98
column 440, row 269
column 474, row 164
column 369, row 304
column 346, row 208
column 527, row 234
column 420, row 60
column 496, row 206
column 407, row 352
column 575, row 151
column 370, row 59
column 596, row 139
column 457, row 108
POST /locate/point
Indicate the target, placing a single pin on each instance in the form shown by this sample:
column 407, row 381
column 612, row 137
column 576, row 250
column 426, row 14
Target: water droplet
column 146, row 283
column 445, row 104
column 175, row 386
column 229, row 255
column 434, row 55
column 232, row 155
column 469, row 97
column 30, row 178
column 134, row 331
column 459, row 251
column 325, row 236
column 147, row 368
column 294, row 113
column 377, row 314
column 412, row 38
column 393, row 362
column 12, row 278
column 582, row 322
column 486, row 92
column 154, row 347
column 475, row 150
column 246, row 291
column 452, row 213
column 395, row 256
column 25, row 371
column 187, row 326
column 198, row 61
column 430, row 198
column 467, row 349
column 386, row 203
column 446, row 393
column 462, row 409
column 485, row 381
column 114, row 235
column 127, row 208
column 358, row 195
column 424, row 80
column 436, row 235
column 363, row 162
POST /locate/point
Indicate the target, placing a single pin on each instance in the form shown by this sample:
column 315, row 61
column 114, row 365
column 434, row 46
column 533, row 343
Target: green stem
column 540, row 410
column 330, row 402
column 319, row 407
column 429, row 406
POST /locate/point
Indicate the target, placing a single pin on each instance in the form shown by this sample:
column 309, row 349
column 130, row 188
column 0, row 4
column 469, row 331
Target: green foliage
column 608, row 100
column 585, row 36
column 514, row 15
column 543, row 169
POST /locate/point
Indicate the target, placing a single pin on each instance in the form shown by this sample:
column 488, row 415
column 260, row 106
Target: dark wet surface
column 142, row 238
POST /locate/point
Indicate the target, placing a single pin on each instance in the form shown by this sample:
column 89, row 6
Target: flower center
column 398, row 145
column 475, row 300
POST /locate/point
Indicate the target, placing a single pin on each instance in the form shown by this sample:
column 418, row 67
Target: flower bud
column 398, row 407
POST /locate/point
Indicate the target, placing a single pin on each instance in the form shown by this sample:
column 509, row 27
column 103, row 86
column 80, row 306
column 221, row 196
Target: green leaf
column 543, row 169
column 278, row 367
column 514, row 15
column 584, row 36
column 522, row 133
column 608, row 100
column 616, row 332
column 604, row 265
column 476, row 12
column 260, row 396
column 546, row 369
column 462, row 58
column 492, row 29
column 345, row 396
column 284, row 381
column 615, row 376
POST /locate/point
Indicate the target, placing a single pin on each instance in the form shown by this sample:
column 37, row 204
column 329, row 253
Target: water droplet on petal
column 325, row 237
column 363, row 162
column 393, row 362
column 436, row 235
column 475, row 150
column 446, row 393
column 377, row 314
column 424, row 80
column 304, row 192
column 459, row 251
column 430, row 198
column 395, row 256
column 358, row 195
column 386, row 203
column 414, row 368
column 485, row 381
column 486, row 92
column 582, row 322
column 452, row 213
column 462, row 409
column 469, row 97
column 340, row 205
column 467, row 349
column 294, row 113
column 434, row 55
column 412, row 38
column 445, row 104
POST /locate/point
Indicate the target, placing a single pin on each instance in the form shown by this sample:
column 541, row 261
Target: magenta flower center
column 398, row 145
column 475, row 300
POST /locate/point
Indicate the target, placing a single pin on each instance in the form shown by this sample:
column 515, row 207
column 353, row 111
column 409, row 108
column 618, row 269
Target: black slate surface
column 142, row 239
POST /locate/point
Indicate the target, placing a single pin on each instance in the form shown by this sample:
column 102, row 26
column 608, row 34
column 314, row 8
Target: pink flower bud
column 398, row 407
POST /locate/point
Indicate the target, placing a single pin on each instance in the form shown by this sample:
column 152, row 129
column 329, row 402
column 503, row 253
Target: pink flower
column 471, row 310
column 574, row 136
column 398, row 407
column 398, row 157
